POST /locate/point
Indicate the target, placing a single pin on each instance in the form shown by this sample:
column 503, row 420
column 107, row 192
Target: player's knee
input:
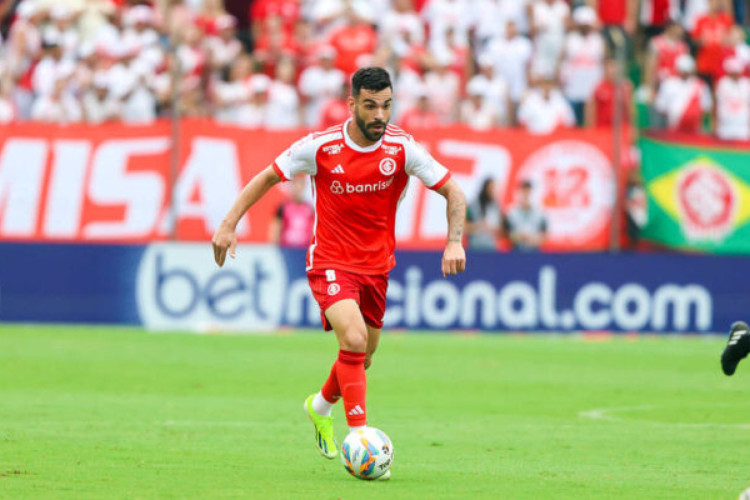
column 354, row 339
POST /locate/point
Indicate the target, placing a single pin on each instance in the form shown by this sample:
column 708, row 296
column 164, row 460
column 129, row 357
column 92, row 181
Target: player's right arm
column 298, row 159
column 225, row 237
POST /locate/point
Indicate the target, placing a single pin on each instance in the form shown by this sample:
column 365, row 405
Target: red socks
column 348, row 379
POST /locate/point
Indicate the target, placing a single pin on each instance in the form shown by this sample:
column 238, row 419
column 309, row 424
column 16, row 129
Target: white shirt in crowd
column 222, row 52
column 48, row 71
column 319, row 84
column 543, row 116
column 549, row 21
column 98, row 110
column 495, row 93
column 582, row 67
column 231, row 97
column 443, row 88
column 481, row 117
column 676, row 95
column 442, row 15
column 733, row 109
column 283, row 104
column 400, row 30
column 511, row 59
column 62, row 109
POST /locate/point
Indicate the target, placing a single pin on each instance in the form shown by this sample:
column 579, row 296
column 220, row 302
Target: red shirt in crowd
column 604, row 98
column 710, row 32
column 351, row 43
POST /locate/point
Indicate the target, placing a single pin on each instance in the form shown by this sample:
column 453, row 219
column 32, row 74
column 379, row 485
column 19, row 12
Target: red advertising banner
column 114, row 183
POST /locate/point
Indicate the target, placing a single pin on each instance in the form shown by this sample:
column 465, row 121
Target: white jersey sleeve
column 422, row 165
column 299, row 158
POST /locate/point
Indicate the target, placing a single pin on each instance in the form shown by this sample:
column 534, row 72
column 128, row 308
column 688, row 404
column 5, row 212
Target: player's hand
column 224, row 239
column 454, row 259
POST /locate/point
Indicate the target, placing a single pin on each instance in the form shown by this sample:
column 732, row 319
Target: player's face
column 372, row 112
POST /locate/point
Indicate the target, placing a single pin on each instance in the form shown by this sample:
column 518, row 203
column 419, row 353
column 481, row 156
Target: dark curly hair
column 372, row 78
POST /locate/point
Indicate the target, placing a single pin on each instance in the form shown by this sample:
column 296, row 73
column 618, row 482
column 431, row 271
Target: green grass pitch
column 118, row 413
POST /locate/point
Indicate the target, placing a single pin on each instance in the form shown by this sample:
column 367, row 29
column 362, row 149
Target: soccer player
column 738, row 346
column 359, row 172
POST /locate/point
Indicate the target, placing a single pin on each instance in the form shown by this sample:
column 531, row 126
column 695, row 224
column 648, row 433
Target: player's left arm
column 454, row 256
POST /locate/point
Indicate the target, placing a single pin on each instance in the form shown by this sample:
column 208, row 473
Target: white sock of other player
column 321, row 406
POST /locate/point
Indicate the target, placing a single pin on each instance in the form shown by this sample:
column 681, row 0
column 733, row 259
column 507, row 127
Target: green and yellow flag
column 698, row 196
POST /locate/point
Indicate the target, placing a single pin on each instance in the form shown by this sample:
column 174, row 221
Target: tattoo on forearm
column 456, row 217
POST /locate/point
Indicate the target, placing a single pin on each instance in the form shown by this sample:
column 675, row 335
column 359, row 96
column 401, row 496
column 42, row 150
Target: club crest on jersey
column 333, row 149
column 333, row 289
column 387, row 166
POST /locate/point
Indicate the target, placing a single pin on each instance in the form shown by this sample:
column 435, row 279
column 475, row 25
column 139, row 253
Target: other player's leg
column 738, row 346
column 373, row 339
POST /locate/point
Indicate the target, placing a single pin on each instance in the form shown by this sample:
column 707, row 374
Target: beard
column 366, row 129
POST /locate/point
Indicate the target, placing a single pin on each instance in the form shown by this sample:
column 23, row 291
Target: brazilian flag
column 698, row 196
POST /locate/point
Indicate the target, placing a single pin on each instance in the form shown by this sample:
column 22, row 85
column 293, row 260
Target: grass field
column 114, row 413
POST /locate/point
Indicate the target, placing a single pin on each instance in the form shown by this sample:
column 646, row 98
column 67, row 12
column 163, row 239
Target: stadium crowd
column 281, row 64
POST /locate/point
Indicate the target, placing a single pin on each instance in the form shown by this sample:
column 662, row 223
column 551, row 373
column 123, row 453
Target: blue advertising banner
column 178, row 286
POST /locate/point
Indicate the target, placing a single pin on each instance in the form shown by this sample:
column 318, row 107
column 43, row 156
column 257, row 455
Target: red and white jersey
column 658, row 12
column 683, row 101
column 666, row 51
column 733, row 109
column 356, row 191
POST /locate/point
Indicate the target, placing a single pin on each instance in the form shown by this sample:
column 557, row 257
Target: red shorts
column 331, row 285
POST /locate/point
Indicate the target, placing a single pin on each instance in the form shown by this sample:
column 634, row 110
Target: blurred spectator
column 444, row 17
column 709, row 34
column 443, row 88
column 511, row 56
column 684, row 99
column 455, row 50
column 293, row 224
column 420, row 114
column 582, row 60
column 336, row 109
column 549, row 20
column 692, row 10
column 476, row 111
column 600, row 109
column 354, row 42
column 496, row 92
column 253, row 114
column 58, row 106
column 223, row 47
column 401, row 27
column 525, row 225
column 636, row 207
column 484, row 219
column 663, row 51
column 618, row 18
column 97, row 104
column 734, row 45
column 544, row 109
column 287, row 12
column 655, row 15
column 284, row 111
column 232, row 96
column 52, row 67
column 318, row 83
column 733, row 103
column 62, row 19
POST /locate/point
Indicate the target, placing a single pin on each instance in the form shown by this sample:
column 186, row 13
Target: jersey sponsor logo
column 391, row 150
column 387, row 166
column 333, row 149
column 333, row 289
column 338, row 170
column 348, row 188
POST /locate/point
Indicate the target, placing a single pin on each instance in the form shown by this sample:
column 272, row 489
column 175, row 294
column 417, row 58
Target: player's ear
column 351, row 101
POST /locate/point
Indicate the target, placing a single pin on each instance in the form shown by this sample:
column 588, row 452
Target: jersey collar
column 350, row 143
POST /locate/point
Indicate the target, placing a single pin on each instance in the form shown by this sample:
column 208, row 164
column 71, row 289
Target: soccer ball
column 367, row 454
